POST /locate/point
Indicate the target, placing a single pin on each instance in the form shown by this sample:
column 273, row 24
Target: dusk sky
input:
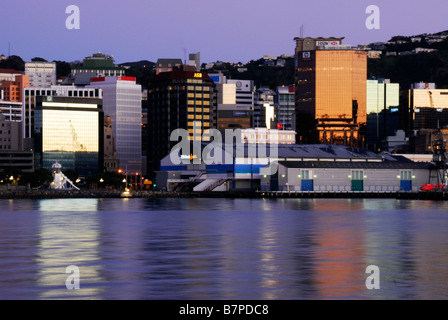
column 231, row 30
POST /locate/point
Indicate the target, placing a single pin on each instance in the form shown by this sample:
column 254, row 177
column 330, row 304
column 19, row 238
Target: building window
column 357, row 175
column 305, row 174
column 406, row 175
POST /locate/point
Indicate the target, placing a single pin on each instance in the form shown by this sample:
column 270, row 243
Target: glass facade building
column 429, row 108
column 122, row 102
column 383, row 99
column 331, row 89
column 69, row 131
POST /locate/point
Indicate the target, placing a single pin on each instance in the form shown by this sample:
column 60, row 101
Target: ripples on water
column 223, row 248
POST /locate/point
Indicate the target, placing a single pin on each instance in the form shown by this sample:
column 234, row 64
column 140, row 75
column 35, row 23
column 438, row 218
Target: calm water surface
column 223, row 248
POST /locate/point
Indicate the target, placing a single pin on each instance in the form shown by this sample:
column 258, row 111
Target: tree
column 13, row 62
column 37, row 59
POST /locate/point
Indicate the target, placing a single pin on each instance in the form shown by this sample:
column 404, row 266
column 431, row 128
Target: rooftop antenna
column 9, row 49
column 301, row 31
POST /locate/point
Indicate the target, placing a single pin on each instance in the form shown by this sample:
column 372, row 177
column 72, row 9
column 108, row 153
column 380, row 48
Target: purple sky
column 230, row 30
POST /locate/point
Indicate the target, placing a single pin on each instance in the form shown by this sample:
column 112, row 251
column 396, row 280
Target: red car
column 431, row 187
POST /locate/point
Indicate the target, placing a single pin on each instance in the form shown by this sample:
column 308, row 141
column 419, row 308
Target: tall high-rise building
column 285, row 107
column 181, row 99
column 122, row 101
column 331, row 82
column 41, row 73
column 383, row 99
column 69, row 131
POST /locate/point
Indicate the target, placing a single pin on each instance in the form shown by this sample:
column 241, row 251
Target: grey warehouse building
column 302, row 168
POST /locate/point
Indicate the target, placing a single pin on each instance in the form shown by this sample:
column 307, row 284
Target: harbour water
column 235, row 249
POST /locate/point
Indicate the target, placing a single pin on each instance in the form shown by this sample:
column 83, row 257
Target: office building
column 29, row 104
column 19, row 160
column 383, row 99
column 12, row 111
column 235, row 102
column 264, row 110
column 428, row 108
column 178, row 100
column 195, row 60
column 101, row 65
column 9, row 74
column 10, row 134
column 42, row 74
column 331, row 88
column 69, row 131
column 167, row 65
column 122, row 102
column 285, row 108
column 111, row 161
column 12, row 90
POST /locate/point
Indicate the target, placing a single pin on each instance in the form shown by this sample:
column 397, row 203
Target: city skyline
column 231, row 31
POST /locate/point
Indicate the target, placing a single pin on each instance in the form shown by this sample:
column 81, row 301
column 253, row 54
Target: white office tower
column 42, row 74
column 122, row 101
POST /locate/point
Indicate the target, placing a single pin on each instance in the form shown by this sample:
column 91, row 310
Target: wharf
column 73, row 194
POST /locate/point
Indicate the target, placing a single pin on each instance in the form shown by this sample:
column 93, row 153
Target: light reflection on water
column 223, row 248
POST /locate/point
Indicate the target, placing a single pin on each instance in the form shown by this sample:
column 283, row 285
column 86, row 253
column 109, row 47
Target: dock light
column 11, row 178
column 299, row 176
column 315, row 176
column 124, row 181
column 120, row 171
column 398, row 177
column 350, row 176
column 78, row 180
column 283, row 176
column 413, row 177
column 265, row 176
column 365, row 176
column 101, row 180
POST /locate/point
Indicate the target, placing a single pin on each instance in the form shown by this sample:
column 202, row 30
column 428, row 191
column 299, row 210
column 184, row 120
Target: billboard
column 328, row 43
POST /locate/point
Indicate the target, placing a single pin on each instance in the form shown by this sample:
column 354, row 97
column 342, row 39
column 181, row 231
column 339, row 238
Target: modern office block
column 331, row 88
column 69, row 131
column 122, row 102
column 178, row 100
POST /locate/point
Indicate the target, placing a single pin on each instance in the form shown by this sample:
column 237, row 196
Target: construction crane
column 438, row 150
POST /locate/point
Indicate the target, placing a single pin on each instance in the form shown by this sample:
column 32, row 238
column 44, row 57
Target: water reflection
column 68, row 235
column 224, row 248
